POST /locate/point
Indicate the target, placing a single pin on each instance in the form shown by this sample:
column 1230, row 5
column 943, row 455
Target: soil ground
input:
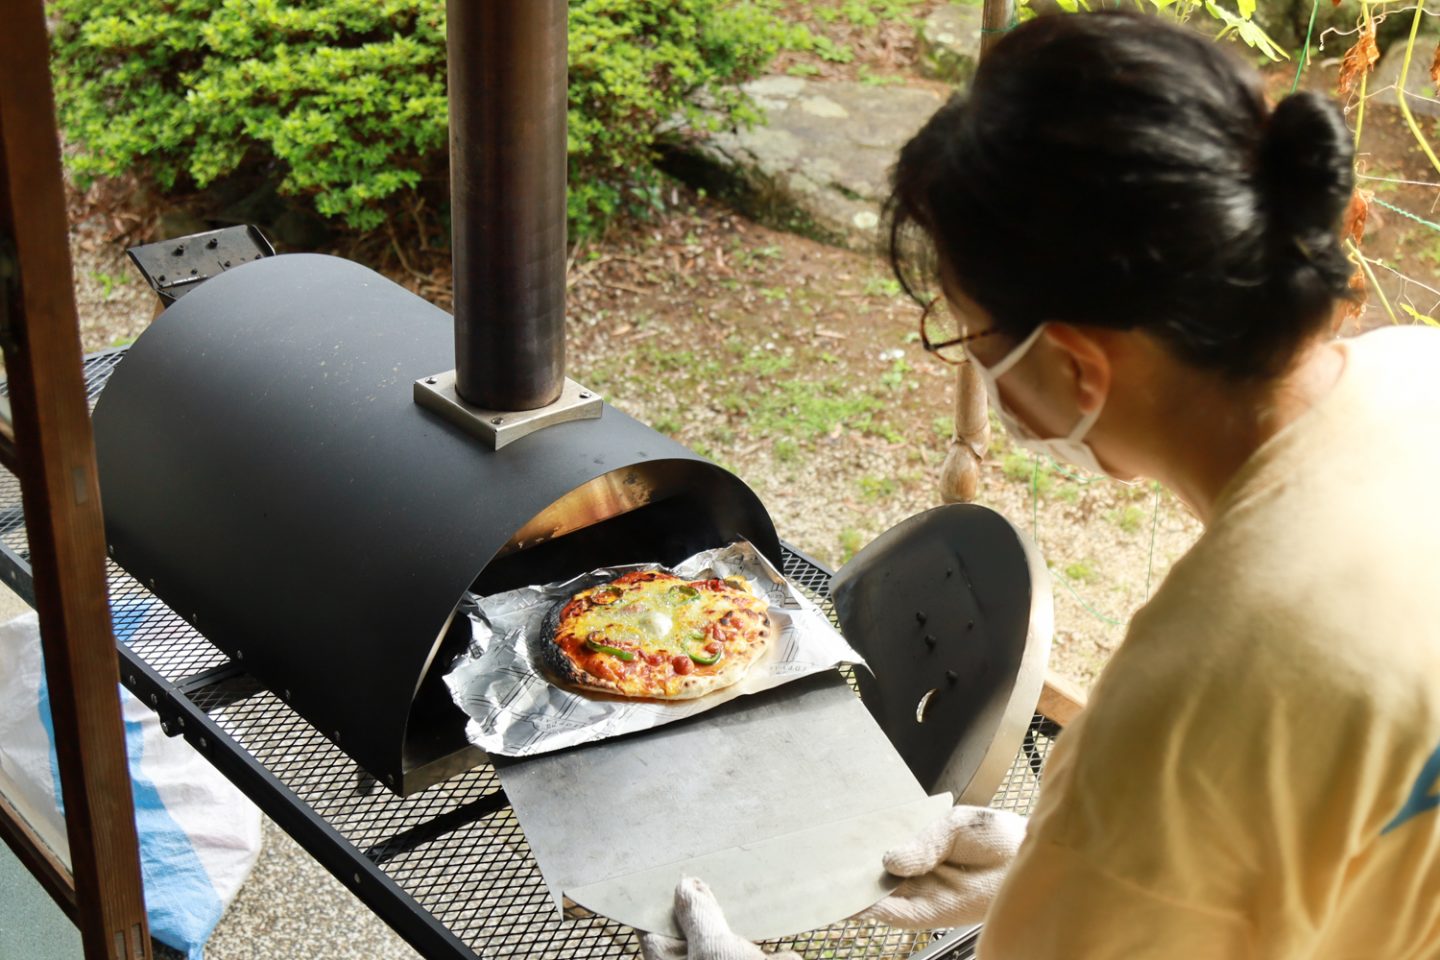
column 796, row 364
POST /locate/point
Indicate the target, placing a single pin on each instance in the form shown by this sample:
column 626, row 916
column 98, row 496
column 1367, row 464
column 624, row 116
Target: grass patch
column 1129, row 519
column 108, row 282
column 804, row 410
column 877, row 488
column 713, row 457
column 894, row 378
column 851, row 540
column 872, row 79
column 773, row 391
column 766, row 364
column 865, row 13
column 1381, row 185
column 1019, row 466
column 1081, row 572
column 670, row 361
column 753, row 257
column 881, row 286
column 1429, row 251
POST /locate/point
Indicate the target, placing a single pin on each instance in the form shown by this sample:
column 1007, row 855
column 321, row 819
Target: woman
column 1141, row 258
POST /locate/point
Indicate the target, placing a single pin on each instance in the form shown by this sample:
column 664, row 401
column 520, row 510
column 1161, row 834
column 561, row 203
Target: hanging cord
column 1305, row 51
column 1064, row 580
column 1406, row 213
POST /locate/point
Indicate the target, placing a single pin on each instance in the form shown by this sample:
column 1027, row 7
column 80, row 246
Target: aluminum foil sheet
column 515, row 710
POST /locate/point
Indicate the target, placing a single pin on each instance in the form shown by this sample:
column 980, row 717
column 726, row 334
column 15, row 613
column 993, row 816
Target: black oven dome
column 266, row 472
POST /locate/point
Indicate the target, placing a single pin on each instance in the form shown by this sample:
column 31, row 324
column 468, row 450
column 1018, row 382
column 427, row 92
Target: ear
column 1090, row 364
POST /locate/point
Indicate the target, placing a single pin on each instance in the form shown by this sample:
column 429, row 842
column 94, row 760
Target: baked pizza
column 652, row 634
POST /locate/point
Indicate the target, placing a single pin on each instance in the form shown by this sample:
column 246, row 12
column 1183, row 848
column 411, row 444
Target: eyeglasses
column 941, row 335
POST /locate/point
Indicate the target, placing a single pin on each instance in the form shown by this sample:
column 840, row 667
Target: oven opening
column 683, row 509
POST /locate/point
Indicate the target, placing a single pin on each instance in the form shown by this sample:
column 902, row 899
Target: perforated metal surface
column 456, row 849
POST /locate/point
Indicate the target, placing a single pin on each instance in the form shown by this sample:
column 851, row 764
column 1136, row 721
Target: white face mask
column 1071, row 448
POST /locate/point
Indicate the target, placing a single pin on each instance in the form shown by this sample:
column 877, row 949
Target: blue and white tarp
column 199, row 836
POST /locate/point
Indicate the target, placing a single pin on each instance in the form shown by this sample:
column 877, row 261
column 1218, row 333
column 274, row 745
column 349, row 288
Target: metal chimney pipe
column 507, row 78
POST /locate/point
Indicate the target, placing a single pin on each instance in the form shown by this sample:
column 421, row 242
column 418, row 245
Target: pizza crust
column 561, row 666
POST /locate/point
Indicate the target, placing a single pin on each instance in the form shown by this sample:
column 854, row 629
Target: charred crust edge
column 553, row 659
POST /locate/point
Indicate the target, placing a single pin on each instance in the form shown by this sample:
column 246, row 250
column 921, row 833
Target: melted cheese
column 657, row 624
column 660, row 616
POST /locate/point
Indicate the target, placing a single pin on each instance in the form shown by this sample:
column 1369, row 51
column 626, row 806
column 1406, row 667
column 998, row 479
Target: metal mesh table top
column 455, row 850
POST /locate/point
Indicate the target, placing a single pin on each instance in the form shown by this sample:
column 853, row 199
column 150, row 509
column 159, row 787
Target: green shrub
column 343, row 101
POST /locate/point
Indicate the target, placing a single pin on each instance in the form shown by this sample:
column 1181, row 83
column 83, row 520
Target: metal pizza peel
column 783, row 802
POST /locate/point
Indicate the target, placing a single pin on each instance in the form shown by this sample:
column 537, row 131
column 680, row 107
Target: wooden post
column 960, row 476
column 56, row 457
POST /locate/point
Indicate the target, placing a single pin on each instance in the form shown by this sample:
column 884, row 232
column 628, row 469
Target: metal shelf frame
column 447, row 868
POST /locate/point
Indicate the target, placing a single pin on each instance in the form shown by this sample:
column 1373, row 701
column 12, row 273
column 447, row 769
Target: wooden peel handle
column 960, row 476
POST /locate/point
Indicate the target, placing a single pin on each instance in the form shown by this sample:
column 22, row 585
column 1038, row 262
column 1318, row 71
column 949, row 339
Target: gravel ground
column 114, row 303
column 292, row 907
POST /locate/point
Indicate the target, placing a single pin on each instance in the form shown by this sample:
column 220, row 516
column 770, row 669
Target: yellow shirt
column 1257, row 773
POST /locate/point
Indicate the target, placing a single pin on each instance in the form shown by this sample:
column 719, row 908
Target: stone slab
column 821, row 159
column 950, row 42
column 1384, row 83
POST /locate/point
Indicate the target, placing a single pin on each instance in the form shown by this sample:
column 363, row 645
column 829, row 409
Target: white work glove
column 952, row 870
column 707, row 934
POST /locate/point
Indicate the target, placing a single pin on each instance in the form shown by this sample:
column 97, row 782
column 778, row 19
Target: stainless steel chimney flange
column 500, row 427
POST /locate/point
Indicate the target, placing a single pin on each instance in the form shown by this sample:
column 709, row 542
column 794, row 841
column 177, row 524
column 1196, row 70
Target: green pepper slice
column 682, row 593
column 615, row 652
column 704, row 659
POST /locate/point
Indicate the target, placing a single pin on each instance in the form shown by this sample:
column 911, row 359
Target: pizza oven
column 314, row 466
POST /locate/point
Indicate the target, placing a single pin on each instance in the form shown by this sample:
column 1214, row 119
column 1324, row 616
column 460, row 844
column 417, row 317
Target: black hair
column 1114, row 170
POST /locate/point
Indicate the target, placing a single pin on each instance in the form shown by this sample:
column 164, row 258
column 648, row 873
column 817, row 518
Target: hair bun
column 1307, row 165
